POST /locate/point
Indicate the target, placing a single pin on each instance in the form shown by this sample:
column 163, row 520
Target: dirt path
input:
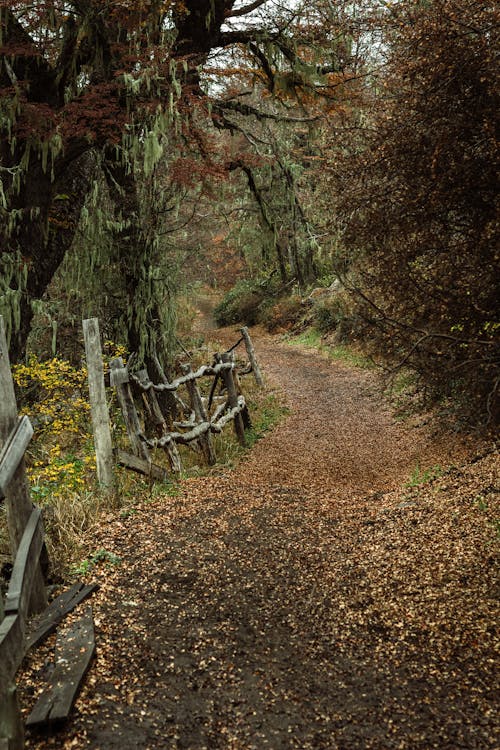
column 301, row 601
column 340, row 436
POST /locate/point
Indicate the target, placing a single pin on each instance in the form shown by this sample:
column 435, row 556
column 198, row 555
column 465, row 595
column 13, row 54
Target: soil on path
column 304, row 600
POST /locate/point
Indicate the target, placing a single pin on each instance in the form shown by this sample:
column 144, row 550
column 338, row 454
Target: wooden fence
column 197, row 428
column 26, row 593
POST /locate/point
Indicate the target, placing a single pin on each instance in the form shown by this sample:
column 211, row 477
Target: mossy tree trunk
column 48, row 210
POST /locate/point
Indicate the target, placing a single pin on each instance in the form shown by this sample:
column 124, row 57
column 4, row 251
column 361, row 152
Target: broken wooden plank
column 140, row 465
column 13, row 451
column 74, row 651
column 17, row 496
column 25, row 565
column 56, row 612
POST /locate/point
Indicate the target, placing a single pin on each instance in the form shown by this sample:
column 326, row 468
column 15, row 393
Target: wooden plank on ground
column 57, row 610
column 74, row 651
column 135, row 463
column 25, row 565
column 13, row 452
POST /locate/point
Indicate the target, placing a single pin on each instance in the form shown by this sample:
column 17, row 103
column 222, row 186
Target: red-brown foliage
column 422, row 208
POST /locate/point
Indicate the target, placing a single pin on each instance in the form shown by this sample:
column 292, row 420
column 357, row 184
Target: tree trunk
column 143, row 316
column 51, row 212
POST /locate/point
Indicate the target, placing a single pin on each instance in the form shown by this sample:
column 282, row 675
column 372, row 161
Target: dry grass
column 70, row 522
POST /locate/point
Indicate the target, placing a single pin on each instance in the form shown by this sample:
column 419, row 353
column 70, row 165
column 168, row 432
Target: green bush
column 245, row 301
column 238, row 304
column 328, row 313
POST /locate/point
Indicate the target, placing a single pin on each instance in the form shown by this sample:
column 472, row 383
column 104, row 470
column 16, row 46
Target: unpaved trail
column 298, row 601
column 341, row 437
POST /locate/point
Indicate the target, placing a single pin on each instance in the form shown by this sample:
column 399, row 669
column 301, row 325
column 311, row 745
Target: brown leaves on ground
column 308, row 599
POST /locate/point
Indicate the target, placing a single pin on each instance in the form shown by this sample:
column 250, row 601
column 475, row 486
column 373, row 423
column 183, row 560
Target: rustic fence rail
column 198, row 426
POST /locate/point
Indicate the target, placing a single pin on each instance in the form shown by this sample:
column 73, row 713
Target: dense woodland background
column 147, row 145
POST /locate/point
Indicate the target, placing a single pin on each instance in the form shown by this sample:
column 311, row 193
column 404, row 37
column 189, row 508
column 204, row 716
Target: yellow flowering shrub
column 110, row 350
column 54, row 395
column 60, row 461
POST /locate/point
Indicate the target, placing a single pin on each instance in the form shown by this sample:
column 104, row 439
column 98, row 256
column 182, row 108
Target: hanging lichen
column 153, row 151
column 13, row 276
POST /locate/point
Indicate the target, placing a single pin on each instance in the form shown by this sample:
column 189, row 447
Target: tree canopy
column 330, row 138
column 86, row 83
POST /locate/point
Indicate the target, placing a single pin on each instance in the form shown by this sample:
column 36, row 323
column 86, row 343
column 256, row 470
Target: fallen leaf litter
column 307, row 599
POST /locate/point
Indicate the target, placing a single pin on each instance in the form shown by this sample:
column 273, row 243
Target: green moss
column 423, row 476
column 339, row 352
column 267, row 415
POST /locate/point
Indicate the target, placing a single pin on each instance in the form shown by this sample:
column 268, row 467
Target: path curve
column 341, row 435
column 250, row 610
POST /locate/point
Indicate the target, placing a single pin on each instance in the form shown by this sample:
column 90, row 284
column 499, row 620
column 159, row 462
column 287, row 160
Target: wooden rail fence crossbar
column 184, row 438
column 205, row 370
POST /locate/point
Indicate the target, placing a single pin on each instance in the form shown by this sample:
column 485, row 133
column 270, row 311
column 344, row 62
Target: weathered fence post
column 232, row 397
column 160, row 423
column 201, row 416
column 17, row 494
column 98, row 406
column 150, row 399
column 120, row 381
column 251, row 356
column 11, row 725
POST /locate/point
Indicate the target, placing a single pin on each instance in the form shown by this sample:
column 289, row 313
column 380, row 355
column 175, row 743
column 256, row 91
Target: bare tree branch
column 246, row 109
column 246, row 9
